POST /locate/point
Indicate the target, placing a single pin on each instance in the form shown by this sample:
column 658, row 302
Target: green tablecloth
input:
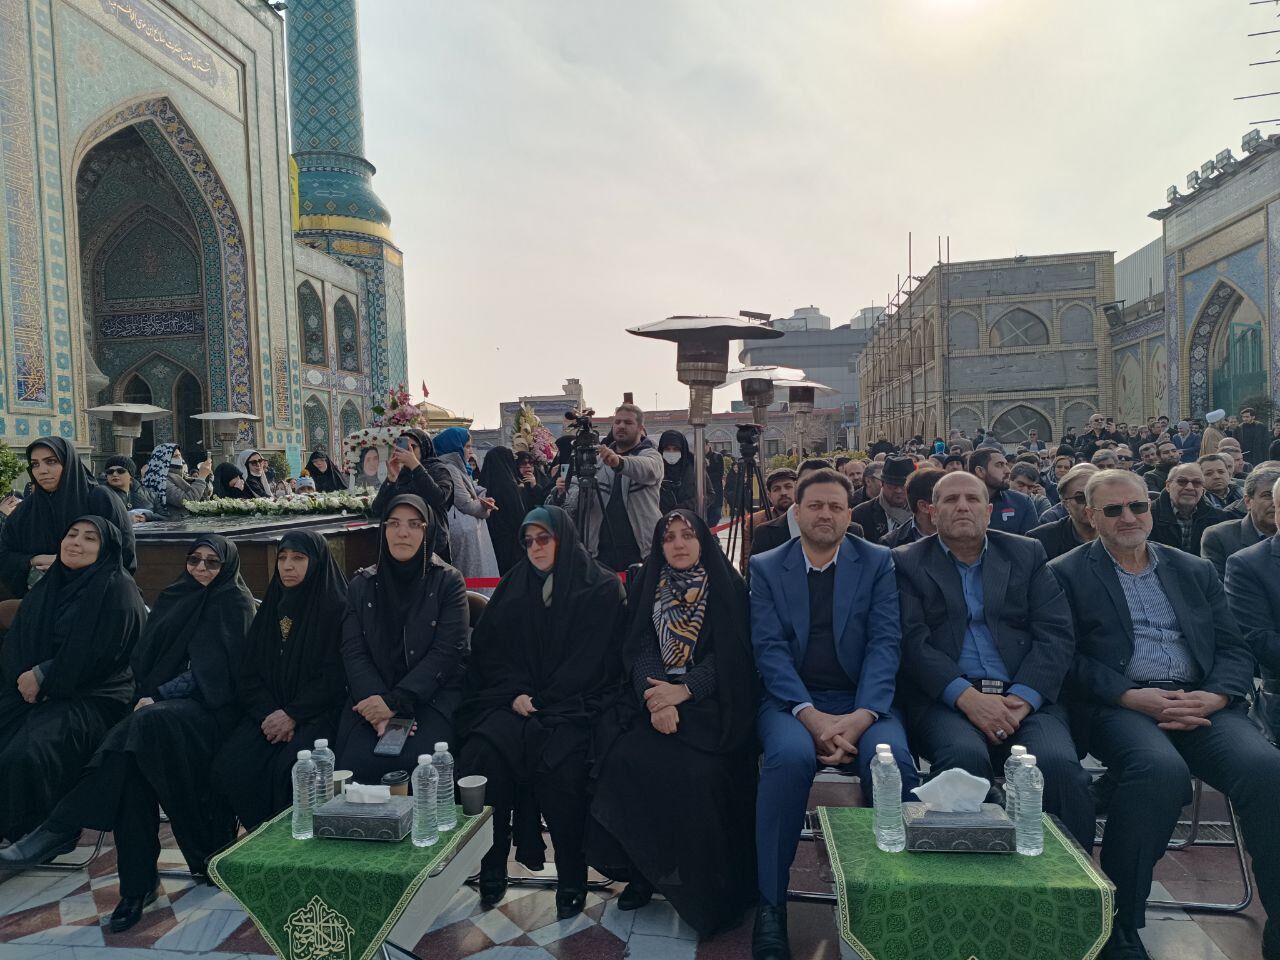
column 325, row 899
column 962, row 906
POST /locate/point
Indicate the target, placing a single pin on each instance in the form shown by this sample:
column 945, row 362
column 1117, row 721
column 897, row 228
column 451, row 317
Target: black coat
column 871, row 517
column 1224, row 539
column 1255, row 438
column 1253, row 593
column 424, row 665
column 1026, row 614
column 1165, row 529
column 1104, row 627
column 431, row 481
column 1057, row 537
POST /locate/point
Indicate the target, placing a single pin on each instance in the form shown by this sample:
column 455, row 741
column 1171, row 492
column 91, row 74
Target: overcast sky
column 558, row 171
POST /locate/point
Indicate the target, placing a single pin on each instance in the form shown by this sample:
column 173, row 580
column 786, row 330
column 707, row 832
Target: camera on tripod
column 585, row 441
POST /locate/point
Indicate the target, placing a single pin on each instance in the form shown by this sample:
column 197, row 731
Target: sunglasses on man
column 1137, row 507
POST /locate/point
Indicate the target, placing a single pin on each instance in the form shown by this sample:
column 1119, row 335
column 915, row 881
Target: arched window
column 344, row 321
column 311, row 312
column 349, row 418
column 1016, row 424
column 137, row 390
column 315, row 421
column 188, row 400
column 962, row 329
column 1019, row 328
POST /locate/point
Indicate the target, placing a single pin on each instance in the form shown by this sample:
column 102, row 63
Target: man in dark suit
column 782, row 528
column 1253, row 592
column 1059, row 536
column 1011, row 511
column 920, row 495
column 1181, row 514
column 824, row 628
column 890, row 509
column 1161, row 674
column 1168, row 456
column 986, row 645
column 1223, row 539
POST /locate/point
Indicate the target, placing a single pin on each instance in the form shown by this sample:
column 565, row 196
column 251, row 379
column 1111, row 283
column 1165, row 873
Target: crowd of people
column 1109, row 596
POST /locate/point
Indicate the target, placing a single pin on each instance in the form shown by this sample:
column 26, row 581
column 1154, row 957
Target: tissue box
column 931, row 831
column 338, row 819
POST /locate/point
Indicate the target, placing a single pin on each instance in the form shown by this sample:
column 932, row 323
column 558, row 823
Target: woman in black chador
column 498, row 477
column 404, row 643
column 64, row 672
column 290, row 685
column 689, row 745
column 542, row 656
column 62, row 489
column 159, row 755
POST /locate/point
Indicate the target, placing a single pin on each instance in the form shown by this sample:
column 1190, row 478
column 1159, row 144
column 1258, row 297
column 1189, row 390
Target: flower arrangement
column 11, row 467
column 348, row 501
column 530, row 436
column 398, row 410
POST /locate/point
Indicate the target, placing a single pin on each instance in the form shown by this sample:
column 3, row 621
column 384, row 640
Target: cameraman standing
column 629, row 479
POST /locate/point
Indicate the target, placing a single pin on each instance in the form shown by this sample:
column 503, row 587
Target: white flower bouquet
column 343, row 501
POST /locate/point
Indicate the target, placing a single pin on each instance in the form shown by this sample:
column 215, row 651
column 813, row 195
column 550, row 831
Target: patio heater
column 126, row 421
column 226, row 427
column 758, row 387
column 800, row 398
column 702, row 362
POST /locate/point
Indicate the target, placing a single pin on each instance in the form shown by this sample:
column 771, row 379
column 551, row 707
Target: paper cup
column 398, row 781
column 471, row 789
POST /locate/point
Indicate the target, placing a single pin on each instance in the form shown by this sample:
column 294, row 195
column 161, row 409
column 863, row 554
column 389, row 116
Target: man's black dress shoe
column 1125, row 944
column 39, row 846
column 769, row 935
column 493, row 886
column 129, row 911
column 569, row 903
column 638, row 894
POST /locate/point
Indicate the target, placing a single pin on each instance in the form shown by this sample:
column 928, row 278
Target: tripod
column 749, row 474
column 585, row 478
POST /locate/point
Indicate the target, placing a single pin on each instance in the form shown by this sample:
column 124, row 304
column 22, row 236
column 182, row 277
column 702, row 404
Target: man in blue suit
column 824, row 627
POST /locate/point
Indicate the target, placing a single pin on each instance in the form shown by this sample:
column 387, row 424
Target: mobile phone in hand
column 393, row 739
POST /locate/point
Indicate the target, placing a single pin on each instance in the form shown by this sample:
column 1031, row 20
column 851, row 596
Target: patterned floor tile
column 29, row 890
column 23, row 922
column 593, row 943
column 644, row 946
column 532, row 912
column 200, row 931
column 78, row 936
column 513, row 953
column 145, row 933
column 497, row 926
column 660, row 919
column 462, row 939
column 80, row 906
column 245, row 939
column 618, row 922
column 465, row 903
column 561, row 929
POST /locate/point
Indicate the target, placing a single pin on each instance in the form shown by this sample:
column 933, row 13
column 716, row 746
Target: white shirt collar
column 793, row 525
column 810, row 568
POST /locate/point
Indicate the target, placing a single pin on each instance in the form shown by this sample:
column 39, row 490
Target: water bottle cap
column 304, row 754
column 424, row 759
column 322, row 744
column 1028, row 759
column 442, row 747
column 882, row 747
column 1018, row 751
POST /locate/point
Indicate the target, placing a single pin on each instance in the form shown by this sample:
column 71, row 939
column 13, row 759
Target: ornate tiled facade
column 181, row 280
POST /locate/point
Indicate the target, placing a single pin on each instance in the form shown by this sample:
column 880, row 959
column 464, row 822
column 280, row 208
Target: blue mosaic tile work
column 324, row 73
column 1246, row 268
column 1173, row 316
column 1273, row 301
column 227, row 309
column 178, row 323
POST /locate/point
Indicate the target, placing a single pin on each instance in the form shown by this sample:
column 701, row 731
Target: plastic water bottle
column 1029, row 830
column 304, row 795
column 886, row 797
column 324, row 760
column 425, row 783
column 1010, row 782
column 446, row 813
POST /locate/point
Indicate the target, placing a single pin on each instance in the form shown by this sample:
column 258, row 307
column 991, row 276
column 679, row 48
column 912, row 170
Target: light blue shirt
column 979, row 656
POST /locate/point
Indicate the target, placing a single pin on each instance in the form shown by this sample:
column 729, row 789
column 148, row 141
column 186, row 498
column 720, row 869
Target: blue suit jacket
column 865, row 621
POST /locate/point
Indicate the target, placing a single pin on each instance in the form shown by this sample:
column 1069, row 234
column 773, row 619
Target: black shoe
column 769, row 935
column 1125, row 944
column 129, row 911
column 638, row 894
column 39, row 846
column 569, row 903
column 493, row 886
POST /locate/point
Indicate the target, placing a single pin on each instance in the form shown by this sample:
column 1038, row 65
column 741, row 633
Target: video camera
column 585, row 440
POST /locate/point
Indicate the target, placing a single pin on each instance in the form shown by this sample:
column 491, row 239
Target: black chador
column 291, row 667
column 404, row 641
column 38, row 523
column 689, row 627
column 552, row 636
column 160, row 754
column 75, row 631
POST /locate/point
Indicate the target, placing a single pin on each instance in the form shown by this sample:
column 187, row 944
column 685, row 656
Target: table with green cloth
column 331, row 899
column 962, row 906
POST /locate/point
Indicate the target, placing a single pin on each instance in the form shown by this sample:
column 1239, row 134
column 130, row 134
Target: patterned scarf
column 156, row 481
column 678, row 612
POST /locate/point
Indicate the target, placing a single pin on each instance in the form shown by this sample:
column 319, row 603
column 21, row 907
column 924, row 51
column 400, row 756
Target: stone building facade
column 149, row 253
column 1010, row 344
